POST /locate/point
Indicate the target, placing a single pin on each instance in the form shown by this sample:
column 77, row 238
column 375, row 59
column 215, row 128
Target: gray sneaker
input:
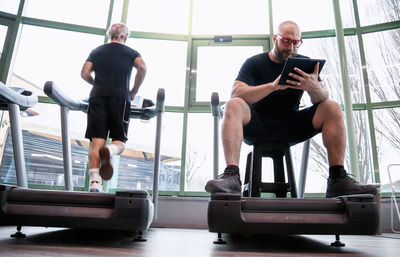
column 227, row 182
column 345, row 185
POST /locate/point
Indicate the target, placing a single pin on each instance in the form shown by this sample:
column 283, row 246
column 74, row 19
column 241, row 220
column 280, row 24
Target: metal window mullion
column 380, row 27
column 346, row 91
column 372, row 137
column 271, row 25
column 109, row 17
column 12, row 44
column 384, row 105
column 7, row 44
column 125, row 7
column 187, row 100
column 61, row 26
column 157, row 35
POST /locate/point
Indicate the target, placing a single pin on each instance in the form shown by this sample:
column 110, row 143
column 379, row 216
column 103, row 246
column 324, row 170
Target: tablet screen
column 305, row 64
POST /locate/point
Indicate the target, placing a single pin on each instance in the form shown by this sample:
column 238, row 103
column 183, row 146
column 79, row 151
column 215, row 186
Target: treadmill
column 343, row 215
column 15, row 100
column 126, row 210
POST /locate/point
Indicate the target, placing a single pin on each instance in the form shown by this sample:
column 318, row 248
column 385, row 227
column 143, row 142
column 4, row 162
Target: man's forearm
column 140, row 75
column 86, row 72
column 89, row 79
column 319, row 94
column 251, row 94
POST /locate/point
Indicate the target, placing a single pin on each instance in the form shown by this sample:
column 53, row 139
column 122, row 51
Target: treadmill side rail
column 132, row 210
column 353, row 215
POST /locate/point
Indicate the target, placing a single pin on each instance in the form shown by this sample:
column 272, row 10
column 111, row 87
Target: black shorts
column 295, row 128
column 108, row 115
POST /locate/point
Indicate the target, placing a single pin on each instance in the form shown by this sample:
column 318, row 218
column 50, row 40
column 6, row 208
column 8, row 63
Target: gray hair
column 118, row 31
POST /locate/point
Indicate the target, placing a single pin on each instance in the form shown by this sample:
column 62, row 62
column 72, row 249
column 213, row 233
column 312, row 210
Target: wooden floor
column 187, row 242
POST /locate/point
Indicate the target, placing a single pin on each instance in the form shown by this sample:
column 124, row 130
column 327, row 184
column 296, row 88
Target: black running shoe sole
column 369, row 191
column 211, row 188
column 106, row 170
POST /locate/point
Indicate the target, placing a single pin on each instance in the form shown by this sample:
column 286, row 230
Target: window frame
column 197, row 42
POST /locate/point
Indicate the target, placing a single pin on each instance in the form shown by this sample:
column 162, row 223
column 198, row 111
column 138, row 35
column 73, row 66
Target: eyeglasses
column 287, row 41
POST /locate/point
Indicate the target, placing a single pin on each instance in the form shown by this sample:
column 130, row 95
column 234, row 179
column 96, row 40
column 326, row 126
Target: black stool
column 276, row 151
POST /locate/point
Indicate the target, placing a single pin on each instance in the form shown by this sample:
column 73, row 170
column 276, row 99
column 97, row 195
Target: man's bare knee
column 237, row 108
column 331, row 107
column 327, row 110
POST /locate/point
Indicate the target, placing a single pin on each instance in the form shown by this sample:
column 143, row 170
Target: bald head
column 289, row 27
column 281, row 51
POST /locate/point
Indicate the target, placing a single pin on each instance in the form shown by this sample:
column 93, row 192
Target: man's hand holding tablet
column 305, row 64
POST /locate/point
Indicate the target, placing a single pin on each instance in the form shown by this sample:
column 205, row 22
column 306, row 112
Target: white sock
column 94, row 174
column 113, row 149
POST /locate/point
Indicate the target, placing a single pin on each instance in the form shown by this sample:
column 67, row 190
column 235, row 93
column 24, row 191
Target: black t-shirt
column 258, row 70
column 112, row 65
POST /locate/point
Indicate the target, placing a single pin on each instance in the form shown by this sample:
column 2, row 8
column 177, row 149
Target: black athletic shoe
column 227, row 182
column 106, row 169
column 345, row 185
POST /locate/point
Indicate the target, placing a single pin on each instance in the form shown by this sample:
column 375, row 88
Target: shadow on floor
column 279, row 244
column 77, row 237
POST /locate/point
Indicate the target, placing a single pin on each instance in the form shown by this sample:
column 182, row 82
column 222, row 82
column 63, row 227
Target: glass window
column 347, row 13
column 10, row 6
column 230, row 17
column 170, row 16
column 136, row 167
column 199, row 153
column 41, row 132
column 224, row 61
column 166, row 68
column 45, row 126
column 354, row 69
column 325, row 48
column 383, row 64
column 59, row 59
column 89, row 12
column 43, row 167
column 117, row 11
column 378, row 11
column 317, row 171
column 362, row 138
column 304, row 14
column 318, row 165
column 387, row 141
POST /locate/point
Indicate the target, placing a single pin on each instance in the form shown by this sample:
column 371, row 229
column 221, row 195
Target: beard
column 284, row 54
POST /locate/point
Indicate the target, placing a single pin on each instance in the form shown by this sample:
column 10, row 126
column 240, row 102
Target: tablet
column 305, row 64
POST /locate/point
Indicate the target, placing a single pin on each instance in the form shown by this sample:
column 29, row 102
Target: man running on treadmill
column 110, row 100
column 262, row 110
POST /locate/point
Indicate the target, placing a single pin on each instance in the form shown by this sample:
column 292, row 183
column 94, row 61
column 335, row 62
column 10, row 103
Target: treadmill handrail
column 20, row 96
column 216, row 109
column 54, row 92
